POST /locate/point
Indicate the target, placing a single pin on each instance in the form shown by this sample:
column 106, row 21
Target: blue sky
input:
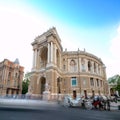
column 90, row 24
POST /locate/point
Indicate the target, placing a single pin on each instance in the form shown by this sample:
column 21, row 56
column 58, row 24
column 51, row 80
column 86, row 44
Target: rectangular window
column 97, row 82
column 91, row 82
column 73, row 81
column 101, row 83
column 63, row 67
column 8, row 83
column 83, row 68
column 15, row 83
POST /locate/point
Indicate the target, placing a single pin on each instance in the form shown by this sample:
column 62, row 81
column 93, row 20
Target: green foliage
column 118, row 86
column 115, row 80
column 25, row 83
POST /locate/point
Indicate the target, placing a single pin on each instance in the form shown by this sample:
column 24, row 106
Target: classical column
column 38, row 59
column 97, row 68
column 33, row 58
column 92, row 67
column 86, row 65
column 100, row 70
column 51, row 52
column 60, row 60
column 55, row 53
column 48, row 55
column 80, row 64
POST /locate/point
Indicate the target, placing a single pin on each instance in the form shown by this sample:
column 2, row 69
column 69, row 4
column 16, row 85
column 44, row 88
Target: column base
column 46, row 95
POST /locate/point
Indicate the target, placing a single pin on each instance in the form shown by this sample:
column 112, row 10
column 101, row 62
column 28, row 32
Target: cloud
column 18, row 28
column 20, row 24
column 115, row 44
column 113, row 62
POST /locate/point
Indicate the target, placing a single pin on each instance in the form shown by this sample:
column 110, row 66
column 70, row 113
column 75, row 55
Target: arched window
column 99, row 69
column 43, row 82
column 83, row 65
column 43, row 56
column 89, row 66
column 16, row 75
column 58, row 85
column 64, row 66
column 58, row 58
column 72, row 66
column 94, row 67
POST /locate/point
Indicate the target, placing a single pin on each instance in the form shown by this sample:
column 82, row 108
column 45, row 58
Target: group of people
column 101, row 102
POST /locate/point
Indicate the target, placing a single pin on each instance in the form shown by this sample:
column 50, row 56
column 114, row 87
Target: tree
column 25, row 83
column 115, row 82
column 118, row 85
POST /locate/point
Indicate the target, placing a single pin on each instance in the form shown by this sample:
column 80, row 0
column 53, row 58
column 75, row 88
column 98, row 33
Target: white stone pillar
column 60, row 60
column 79, row 63
column 48, row 55
column 51, row 52
column 86, row 65
column 38, row 59
column 97, row 68
column 92, row 67
column 100, row 70
column 33, row 58
column 55, row 53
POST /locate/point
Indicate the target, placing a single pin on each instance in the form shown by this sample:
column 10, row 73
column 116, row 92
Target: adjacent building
column 113, row 82
column 61, row 72
column 11, row 76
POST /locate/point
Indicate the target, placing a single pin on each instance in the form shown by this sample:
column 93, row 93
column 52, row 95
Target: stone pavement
column 28, row 104
column 39, row 103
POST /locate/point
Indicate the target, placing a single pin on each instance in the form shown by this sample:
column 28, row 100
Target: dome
column 16, row 61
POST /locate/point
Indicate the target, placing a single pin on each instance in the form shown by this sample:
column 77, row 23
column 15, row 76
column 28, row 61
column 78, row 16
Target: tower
column 46, row 67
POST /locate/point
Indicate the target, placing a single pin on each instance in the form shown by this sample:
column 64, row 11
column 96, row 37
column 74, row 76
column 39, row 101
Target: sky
column 90, row 24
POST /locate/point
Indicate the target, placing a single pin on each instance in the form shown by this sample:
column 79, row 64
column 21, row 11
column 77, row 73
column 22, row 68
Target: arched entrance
column 112, row 91
column 85, row 93
column 74, row 94
column 43, row 82
column 43, row 57
column 58, row 85
column 93, row 93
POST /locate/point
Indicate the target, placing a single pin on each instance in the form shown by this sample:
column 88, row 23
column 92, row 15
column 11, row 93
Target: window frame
column 74, row 79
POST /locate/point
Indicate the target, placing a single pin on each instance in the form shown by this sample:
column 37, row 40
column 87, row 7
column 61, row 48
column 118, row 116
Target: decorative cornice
column 81, row 53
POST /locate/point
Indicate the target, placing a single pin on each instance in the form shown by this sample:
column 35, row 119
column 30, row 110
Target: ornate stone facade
column 11, row 76
column 64, row 72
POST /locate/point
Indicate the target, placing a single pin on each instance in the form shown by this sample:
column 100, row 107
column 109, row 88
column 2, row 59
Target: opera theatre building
column 57, row 73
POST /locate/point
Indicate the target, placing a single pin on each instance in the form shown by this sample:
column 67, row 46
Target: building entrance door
column 74, row 94
column 85, row 93
column 43, row 81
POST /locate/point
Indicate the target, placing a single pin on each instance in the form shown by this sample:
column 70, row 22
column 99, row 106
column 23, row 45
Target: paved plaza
column 54, row 111
column 36, row 104
column 23, row 109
